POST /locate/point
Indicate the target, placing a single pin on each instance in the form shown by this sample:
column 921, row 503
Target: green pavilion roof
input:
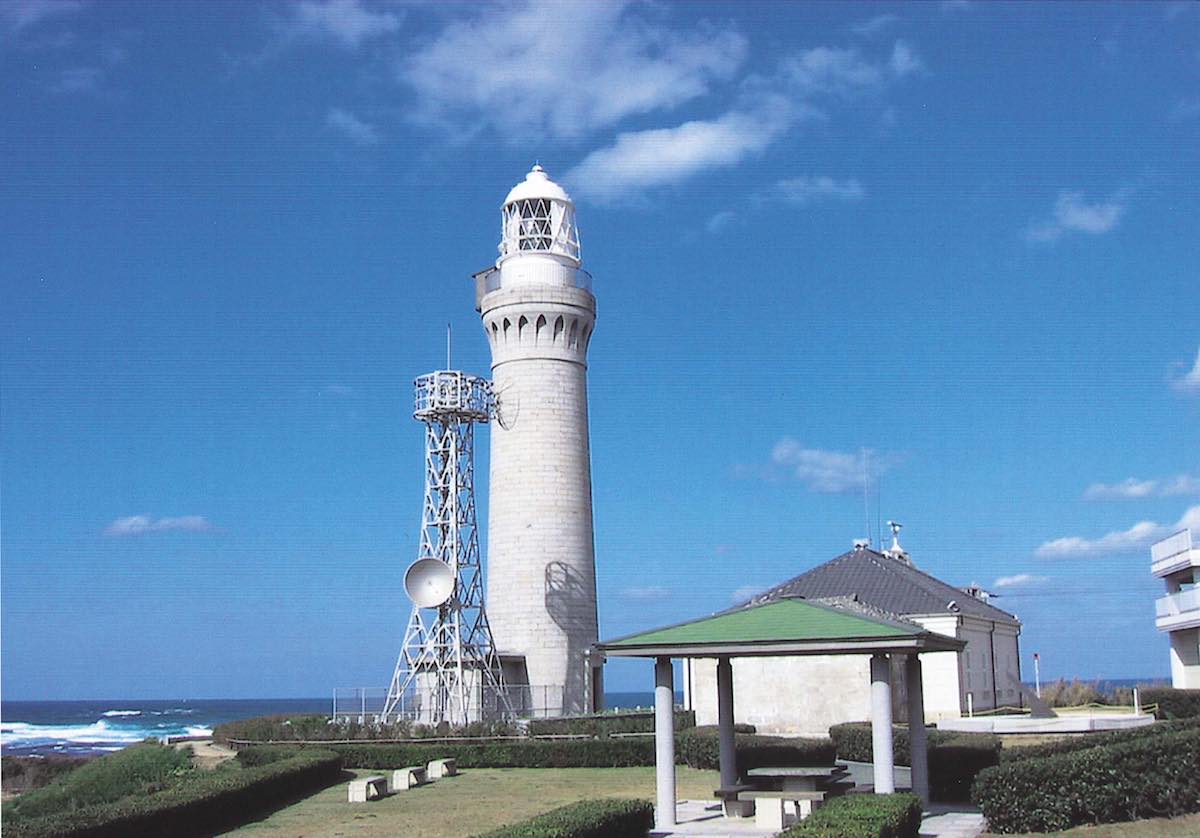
column 781, row 627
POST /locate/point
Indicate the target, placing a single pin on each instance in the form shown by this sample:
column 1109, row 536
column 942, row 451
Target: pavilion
column 782, row 628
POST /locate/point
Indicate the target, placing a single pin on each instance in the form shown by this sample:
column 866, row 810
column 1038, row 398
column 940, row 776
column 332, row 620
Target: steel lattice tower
column 448, row 669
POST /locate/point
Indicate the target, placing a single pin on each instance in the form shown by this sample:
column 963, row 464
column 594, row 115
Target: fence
column 367, row 704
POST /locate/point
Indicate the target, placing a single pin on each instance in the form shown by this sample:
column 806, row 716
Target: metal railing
column 366, row 704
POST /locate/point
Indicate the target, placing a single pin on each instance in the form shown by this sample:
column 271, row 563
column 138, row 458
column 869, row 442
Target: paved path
column 944, row 821
column 704, row 818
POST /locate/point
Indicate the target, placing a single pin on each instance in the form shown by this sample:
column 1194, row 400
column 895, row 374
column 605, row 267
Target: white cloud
column 1189, row 382
column 720, row 221
column 142, row 524
column 745, row 592
column 802, row 190
column 646, row 594
column 1184, row 110
column 830, row 471
column 956, row 5
column 1138, row 537
column 1019, row 580
column 346, row 22
column 539, row 67
column 904, row 61
column 78, row 80
column 875, row 25
column 641, row 160
column 16, row 15
column 1132, row 487
column 832, row 71
column 1073, row 214
column 361, row 132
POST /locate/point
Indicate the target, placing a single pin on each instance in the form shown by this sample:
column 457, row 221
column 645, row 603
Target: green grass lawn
column 1187, row 826
column 477, row 800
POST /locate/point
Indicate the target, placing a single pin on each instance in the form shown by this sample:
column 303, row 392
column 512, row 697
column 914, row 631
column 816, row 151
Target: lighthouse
column 538, row 313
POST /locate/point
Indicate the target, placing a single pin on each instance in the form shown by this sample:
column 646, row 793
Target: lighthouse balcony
column 529, row 273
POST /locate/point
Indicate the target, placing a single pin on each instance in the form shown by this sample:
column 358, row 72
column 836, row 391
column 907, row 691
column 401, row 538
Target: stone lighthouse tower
column 538, row 312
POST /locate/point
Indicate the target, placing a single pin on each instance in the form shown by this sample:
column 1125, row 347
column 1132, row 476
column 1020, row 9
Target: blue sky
column 963, row 236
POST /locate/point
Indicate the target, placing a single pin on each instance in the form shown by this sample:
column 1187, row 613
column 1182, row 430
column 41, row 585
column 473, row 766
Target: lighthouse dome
column 539, row 217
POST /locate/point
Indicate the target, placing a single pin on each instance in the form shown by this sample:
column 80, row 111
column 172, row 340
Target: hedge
column 954, row 758
column 1173, row 704
column 616, row 818
column 604, row 724
column 207, row 803
column 695, row 748
column 312, row 728
column 862, row 816
column 1093, row 740
column 138, row 769
column 265, row 754
column 700, row 748
column 1156, row 776
column 565, row 753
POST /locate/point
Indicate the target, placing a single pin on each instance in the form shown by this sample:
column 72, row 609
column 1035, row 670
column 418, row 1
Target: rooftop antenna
column 449, row 336
column 866, row 481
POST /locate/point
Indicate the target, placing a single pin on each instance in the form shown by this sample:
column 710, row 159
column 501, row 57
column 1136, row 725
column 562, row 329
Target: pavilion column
column 916, row 728
column 881, row 725
column 664, row 741
column 727, row 743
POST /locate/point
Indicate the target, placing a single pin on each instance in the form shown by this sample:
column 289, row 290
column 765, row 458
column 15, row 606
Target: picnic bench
column 368, row 788
column 439, row 768
column 406, row 778
column 770, row 807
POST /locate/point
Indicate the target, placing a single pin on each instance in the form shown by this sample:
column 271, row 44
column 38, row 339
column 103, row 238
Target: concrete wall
column 803, row 695
column 1185, row 659
column 806, row 695
column 541, row 580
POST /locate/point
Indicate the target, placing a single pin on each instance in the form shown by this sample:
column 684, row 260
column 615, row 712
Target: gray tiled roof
column 885, row 583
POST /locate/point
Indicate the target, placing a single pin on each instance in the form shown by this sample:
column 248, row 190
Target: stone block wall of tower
column 541, row 588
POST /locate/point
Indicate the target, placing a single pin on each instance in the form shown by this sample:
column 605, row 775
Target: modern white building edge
column 1176, row 561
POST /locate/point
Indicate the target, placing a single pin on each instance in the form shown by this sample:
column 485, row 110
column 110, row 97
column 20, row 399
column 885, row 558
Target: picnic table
column 797, row 778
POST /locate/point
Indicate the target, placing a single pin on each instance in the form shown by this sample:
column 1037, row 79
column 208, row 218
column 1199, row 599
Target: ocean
column 85, row 728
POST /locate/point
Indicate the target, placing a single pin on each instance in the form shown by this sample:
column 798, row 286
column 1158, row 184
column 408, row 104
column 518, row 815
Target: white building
column 1177, row 563
column 538, row 313
column 985, row 674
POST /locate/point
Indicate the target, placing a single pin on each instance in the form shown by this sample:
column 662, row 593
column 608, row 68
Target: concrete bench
column 368, row 788
column 439, row 768
column 734, row 808
column 769, row 813
column 406, row 778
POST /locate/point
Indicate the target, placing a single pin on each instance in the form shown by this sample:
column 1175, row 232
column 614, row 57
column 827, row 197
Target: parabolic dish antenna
column 429, row 583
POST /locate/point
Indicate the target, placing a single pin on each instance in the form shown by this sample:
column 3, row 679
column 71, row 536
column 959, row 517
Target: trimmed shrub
column 1086, row 741
column 1173, row 704
column 700, row 748
column 138, row 769
column 604, row 724
column 265, row 754
column 565, row 753
column 954, row 758
column 1154, row 776
column 862, row 816
column 587, row 819
column 210, row 802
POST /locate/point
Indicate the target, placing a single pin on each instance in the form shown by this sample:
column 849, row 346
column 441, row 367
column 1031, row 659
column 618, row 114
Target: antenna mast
column 448, row 669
